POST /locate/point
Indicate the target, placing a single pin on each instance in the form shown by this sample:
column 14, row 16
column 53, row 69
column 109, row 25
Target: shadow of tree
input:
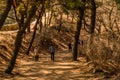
column 45, row 69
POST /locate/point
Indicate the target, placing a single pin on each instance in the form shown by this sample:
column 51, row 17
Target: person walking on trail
column 52, row 52
column 82, row 42
column 36, row 57
column 80, row 47
column 78, row 41
column 69, row 47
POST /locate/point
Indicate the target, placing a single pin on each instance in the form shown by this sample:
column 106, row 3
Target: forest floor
column 63, row 68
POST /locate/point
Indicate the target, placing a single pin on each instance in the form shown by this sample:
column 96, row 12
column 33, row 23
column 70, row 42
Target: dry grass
column 10, row 27
column 105, row 56
column 48, row 36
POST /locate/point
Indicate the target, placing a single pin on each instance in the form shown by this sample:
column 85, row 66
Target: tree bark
column 19, row 40
column 5, row 13
column 33, row 37
column 16, row 50
column 28, row 28
column 77, row 33
column 92, row 27
column 51, row 15
column 35, row 28
column 93, row 16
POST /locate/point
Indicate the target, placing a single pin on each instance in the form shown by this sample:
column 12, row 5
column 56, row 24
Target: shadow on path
column 45, row 69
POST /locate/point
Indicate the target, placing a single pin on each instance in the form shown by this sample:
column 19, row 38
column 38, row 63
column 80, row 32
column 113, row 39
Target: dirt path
column 61, row 69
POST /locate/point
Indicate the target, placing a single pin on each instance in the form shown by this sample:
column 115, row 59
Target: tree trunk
column 77, row 33
column 92, row 27
column 35, row 28
column 28, row 28
column 16, row 50
column 5, row 13
column 93, row 16
column 45, row 23
column 60, row 23
column 15, row 12
column 19, row 40
column 40, row 26
column 51, row 15
column 32, row 40
column 72, row 14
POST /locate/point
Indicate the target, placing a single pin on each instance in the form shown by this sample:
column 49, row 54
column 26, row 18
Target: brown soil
column 63, row 68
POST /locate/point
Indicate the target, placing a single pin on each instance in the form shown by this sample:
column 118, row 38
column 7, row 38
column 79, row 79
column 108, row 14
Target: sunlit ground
column 63, row 68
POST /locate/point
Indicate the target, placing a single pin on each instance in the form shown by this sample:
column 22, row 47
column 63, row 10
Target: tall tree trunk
column 33, row 37
column 35, row 28
column 5, row 13
column 40, row 26
column 51, row 15
column 77, row 32
column 28, row 28
column 19, row 40
column 67, row 16
column 60, row 23
column 16, row 50
column 92, row 27
column 72, row 14
column 93, row 16
column 45, row 23
column 15, row 12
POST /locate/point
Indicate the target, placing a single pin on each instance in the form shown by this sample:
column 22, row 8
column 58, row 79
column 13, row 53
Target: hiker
column 52, row 52
column 81, row 48
column 78, row 41
column 36, row 57
column 69, row 47
column 82, row 42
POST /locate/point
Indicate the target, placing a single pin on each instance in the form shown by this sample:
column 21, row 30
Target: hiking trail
column 63, row 68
